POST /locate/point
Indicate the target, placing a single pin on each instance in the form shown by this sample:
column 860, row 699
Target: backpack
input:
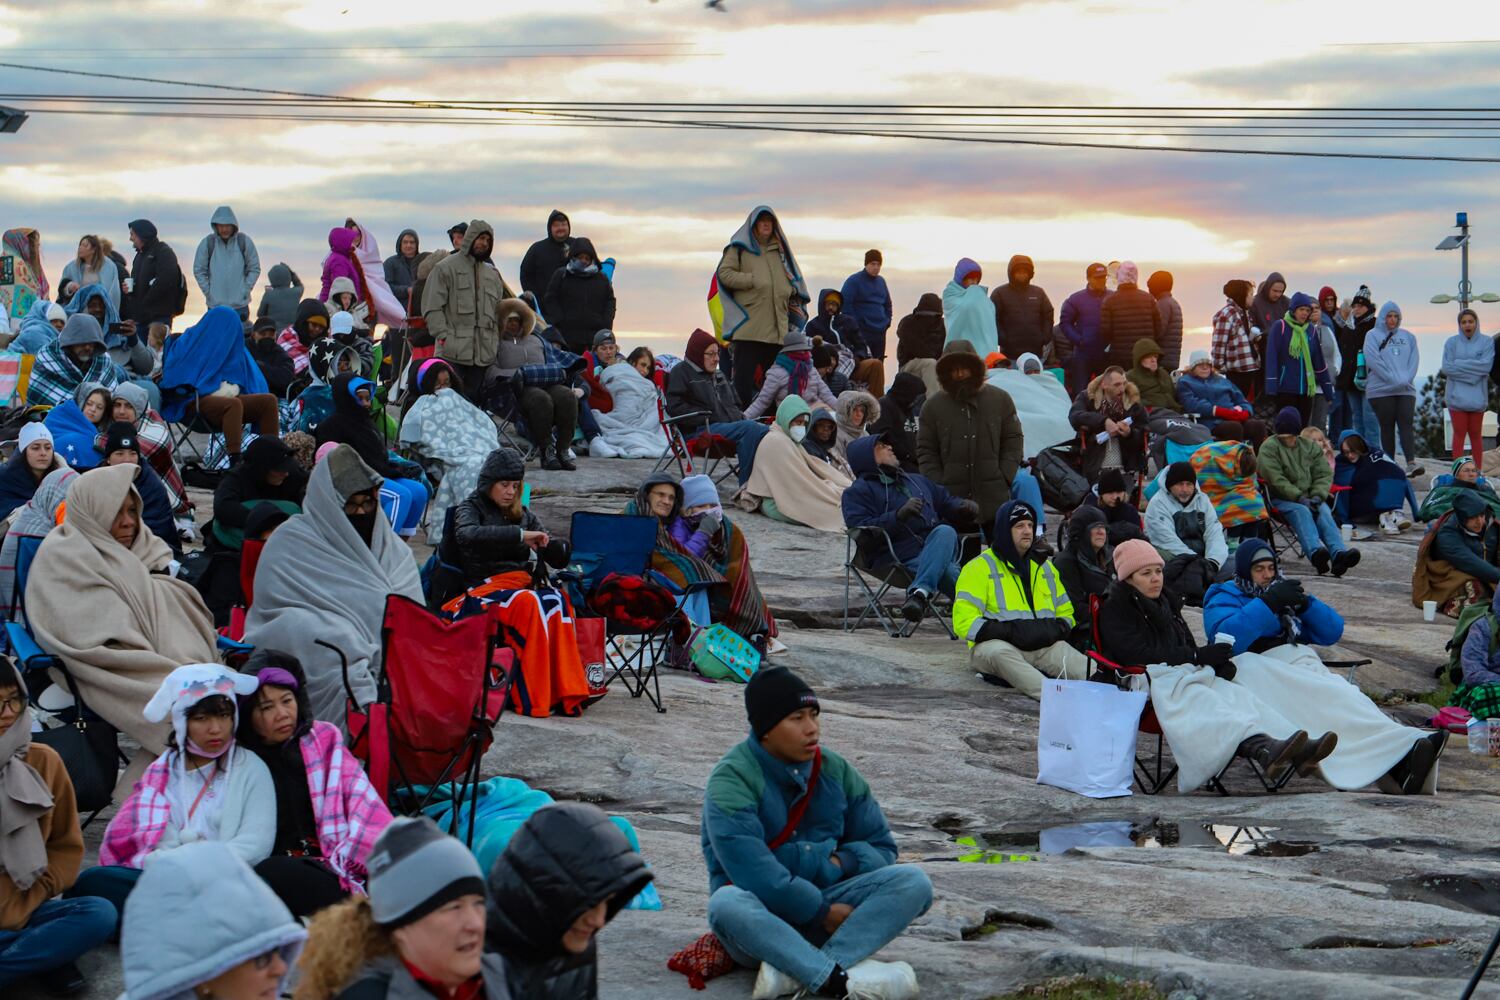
column 1063, row 487
column 179, row 306
column 1466, row 618
column 721, row 654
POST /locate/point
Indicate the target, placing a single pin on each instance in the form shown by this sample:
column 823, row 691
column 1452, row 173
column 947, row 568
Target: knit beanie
column 796, row 340
column 1135, row 554
column 349, row 473
column 1237, row 289
column 1459, row 463
column 698, row 342
column 56, row 312
column 874, row 256
column 1289, row 421
column 1112, row 481
column 822, row 357
column 1197, row 358
column 32, row 433
column 1127, row 273
column 1160, row 282
column 1250, row 552
column 774, row 694
column 121, row 436
column 1363, row 295
column 697, row 491
column 415, row 868
column 1181, row 472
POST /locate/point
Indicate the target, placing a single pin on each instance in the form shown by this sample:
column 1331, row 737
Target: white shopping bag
column 1086, row 740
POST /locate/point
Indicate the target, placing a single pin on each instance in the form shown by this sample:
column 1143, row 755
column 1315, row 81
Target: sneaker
column 64, row 981
column 1388, row 523
column 1402, row 521
column 771, row 983
column 872, row 980
column 915, row 606
column 1274, row 756
column 1344, row 560
column 572, row 455
column 1314, row 752
column 1414, row 469
column 1320, row 560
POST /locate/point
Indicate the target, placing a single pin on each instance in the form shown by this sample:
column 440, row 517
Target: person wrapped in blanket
column 326, row 361
column 404, row 494
column 130, row 405
column 703, row 555
column 1462, row 477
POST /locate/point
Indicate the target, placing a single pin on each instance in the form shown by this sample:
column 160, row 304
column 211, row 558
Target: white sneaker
column 771, row 983
column 872, row 980
column 1388, row 523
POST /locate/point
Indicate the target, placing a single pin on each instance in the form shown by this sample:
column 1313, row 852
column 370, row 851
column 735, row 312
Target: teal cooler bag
column 721, row 654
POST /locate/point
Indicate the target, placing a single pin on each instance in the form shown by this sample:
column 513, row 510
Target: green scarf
column 1301, row 350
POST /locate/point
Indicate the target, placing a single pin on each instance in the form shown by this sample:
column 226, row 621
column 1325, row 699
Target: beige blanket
column 118, row 626
column 805, row 490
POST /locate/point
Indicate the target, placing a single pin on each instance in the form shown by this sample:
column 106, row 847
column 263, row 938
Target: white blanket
column 631, row 429
column 1042, row 404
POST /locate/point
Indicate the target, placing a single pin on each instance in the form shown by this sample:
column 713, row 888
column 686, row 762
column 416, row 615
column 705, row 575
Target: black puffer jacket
column 483, row 540
column 921, row 332
column 579, row 305
column 690, row 389
column 565, row 859
column 544, row 257
column 1128, row 315
column 1137, row 631
column 1085, row 572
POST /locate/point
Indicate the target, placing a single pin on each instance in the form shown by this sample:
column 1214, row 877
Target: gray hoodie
column 226, row 270
column 281, row 299
column 1390, row 358
column 197, row 912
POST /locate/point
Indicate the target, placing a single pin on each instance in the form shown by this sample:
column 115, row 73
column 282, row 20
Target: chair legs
column 875, row 607
column 637, row 669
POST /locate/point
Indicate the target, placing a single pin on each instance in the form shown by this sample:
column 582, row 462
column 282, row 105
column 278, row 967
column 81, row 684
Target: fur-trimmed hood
column 1132, row 394
column 960, row 372
column 516, row 307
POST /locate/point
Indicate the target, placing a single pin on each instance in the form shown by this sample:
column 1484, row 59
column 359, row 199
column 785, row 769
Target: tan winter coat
column 461, row 303
column 760, row 286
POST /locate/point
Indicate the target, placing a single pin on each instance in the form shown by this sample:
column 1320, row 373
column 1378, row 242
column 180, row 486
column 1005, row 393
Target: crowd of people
column 408, row 397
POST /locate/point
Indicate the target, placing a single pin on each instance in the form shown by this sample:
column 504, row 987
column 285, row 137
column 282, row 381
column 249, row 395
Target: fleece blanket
column 1042, row 404
column 387, row 309
column 805, row 490
column 969, row 315
column 630, row 429
column 444, row 429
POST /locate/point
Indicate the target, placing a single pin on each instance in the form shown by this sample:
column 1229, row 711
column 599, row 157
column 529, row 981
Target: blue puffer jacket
column 1080, row 321
column 1201, row 395
column 1228, row 609
column 749, row 796
column 870, row 502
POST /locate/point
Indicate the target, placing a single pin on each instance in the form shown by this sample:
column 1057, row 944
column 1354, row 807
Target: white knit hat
column 1197, row 358
column 31, row 433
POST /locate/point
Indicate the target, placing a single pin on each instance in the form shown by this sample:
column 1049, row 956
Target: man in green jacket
column 461, row 304
column 1300, row 478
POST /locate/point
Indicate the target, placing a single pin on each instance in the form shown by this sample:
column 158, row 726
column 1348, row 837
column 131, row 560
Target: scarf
column 1301, row 351
column 796, row 364
column 1112, row 409
column 24, row 800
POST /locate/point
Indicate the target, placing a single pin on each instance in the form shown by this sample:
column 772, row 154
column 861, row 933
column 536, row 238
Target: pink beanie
column 1135, row 554
column 1127, row 273
column 323, row 450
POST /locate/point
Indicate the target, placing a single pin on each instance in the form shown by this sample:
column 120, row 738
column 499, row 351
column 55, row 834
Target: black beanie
column 1180, row 472
column 1111, row 481
column 120, row 436
column 774, row 694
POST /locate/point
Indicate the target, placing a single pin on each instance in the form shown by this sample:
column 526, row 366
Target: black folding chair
column 863, row 548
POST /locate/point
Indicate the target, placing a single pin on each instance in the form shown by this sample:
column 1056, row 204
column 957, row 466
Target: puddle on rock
column 1027, row 845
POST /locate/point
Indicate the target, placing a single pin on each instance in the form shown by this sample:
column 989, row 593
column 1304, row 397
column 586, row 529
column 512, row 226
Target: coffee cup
column 1346, row 532
column 1429, row 611
column 129, row 285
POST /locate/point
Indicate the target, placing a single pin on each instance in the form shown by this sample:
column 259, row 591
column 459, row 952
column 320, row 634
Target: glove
column 971, row 509
column 910, row 509
column 1226, row 670
column 1284, row 595
column 710, row 524
column 992, row 630
column 1231, row 413
column 1215, row 655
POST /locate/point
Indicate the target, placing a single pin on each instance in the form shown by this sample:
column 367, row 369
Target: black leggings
column 305, row 885
column 751, row 358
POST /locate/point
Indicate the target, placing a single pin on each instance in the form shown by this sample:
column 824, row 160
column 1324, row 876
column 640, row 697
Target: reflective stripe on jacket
column 989, row 590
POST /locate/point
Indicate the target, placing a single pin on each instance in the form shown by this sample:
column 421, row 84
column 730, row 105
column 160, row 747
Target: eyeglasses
column 12, row 704
column 263, row 962
column 359, row 505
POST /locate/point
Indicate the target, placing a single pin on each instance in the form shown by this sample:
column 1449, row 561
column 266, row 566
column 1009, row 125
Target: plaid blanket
column 54, row 377
column 560, row 367
column 1482, row 700
column 349, row 813
column 156, row 448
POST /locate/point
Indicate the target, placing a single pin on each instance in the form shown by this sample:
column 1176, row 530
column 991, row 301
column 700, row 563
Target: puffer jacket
column 969, row 439
column 461, row 303
column 545, row 256
column 1171, row 331
column 1204, row 395
column 1125, row 317
column 158, row 280
column 873, row 499
column 564, row 860
column 579, row 305
column 1085, row 416
column 690, row 389
column 1023, row 313
column 1136, row 630
column 921, row 333
column 484, row 541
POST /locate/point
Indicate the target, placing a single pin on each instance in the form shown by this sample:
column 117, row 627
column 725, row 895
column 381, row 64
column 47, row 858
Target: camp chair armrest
column 700, row 416
column 1099, row 663
column 874, row 531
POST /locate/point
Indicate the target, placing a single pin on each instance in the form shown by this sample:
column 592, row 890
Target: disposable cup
column 1429, row 611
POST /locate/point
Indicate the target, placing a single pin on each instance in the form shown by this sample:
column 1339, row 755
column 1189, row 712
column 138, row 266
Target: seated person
column 325, row 362
column 704, row 555
column 122, row 448
column 842, row 335
column 630, row 428
column 918, row 516
column 549, row 941
column 203, row 787
column 33, row 460
column 820, row 439
column 34, row 519
column 806, row 900
column 1183, row 525
column 1111, row 495
column 789, row 484
column 77, row 356
column 269, row 476
column 792, row 374
column 1217, row 401
column 343, row 298
column 1298, row 479
column 177, row 942
column 826, row 361
column 125, row 347
column 704, row 400
column 1112, row 421
column 1375, row 486
column 130, row 405
column 94, row 400
column 854, row 411
column 1022, row 652
column 325, row 574
column 327, row 812
column 403, row 494
column 1086, row 567
column 274, row 363
column 898, row 418
column 207, row 370
column 1275, row 625
column 1155, row 386
column 546, row 395
column 643, row 361
column 1479, row 690
column 42, row 934
column 39, row 328
column 310, row 326
column 449, row 437
column 494, row 537
column 1226, row 474
column 1462, row 477
column 1458, row 562
column 420, row 932
column 100, row 597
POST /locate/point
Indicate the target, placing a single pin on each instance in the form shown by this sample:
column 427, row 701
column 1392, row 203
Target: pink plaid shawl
column 137, row 827
column 350, row 814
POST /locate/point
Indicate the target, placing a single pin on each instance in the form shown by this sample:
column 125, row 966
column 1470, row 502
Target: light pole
column 1465, row 287
column 11, row 119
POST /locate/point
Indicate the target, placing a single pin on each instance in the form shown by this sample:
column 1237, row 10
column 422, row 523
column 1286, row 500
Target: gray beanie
column 796, row 340
column 350, row 473
column 81, row 328
column 414, row 868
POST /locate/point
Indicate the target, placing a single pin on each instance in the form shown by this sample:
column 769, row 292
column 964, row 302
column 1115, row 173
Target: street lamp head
column 1463, row 219
column 11, row 119
column 1438, row 300
column 1487, row 297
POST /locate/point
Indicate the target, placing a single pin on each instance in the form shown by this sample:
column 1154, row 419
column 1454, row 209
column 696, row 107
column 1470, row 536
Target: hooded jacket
column 970, row 439
column 545, row 256
column 579, row 304
column 867, row 301
column 1451, row 555
column 1351, row 344
column 564, row 860
column 1003, row 595
column 401, row 272
column 762, row 283
column 1467, row 362
column 1085, row 415
column 1391, row 358
column 485, row 541
column 461, row 303
column 281, row 298
column 1237, row 499
column 691, row 389
column 1126, row 317
column 158, row 279
column 1479, row 663
column 245, row 486
column 898, row 418
column 1263, row 312
column 1229, row 609
column 875, row 496
column 1156, row 388
column 354, row 425
column 1084, row 572
column 226, row 270
column 343, row 262
column 825, row 452
column 275, row 365
column 1186, row 529
column 1289, row 375
column 921, row 332
column 1023, row 313
column 840, row 329
column 969, row 315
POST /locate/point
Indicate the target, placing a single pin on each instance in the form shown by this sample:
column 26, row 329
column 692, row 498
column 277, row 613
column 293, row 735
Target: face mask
column 364, row 524
column 890, row 471
column 798, row 433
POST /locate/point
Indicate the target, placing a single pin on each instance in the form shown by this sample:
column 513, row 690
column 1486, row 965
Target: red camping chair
column 250, row 551
column 1149, row 773
column 430, row 726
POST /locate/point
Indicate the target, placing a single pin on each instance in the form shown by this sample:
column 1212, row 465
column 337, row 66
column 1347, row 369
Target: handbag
column 89, row 749
column 589, row 633
column 1087, row 736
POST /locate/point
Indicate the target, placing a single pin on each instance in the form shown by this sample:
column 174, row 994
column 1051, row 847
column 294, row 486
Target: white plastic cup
column 129, row 285
column 1346, row 532
column 1429, row 611
column 1224, row 637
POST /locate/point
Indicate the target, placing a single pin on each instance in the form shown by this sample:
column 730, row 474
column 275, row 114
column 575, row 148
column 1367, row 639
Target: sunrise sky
column 665, row 202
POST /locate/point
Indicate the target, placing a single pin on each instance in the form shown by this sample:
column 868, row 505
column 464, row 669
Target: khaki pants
column 1025, row 670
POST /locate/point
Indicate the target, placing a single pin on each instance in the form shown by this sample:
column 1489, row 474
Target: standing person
column 92, row 266
column 1270, row 303
column 808, row 899
column 456, row 233
column 280, row 299
column 579, row 299
column 1295, row 367
column 1329, row 319
column 1353, row 411
column 546, row 255
column 921, row 332
column 40, row 853
column 763, row 293
column 227, row 265
column 401, row 275
column 968, row 313
column 1236, row 352
column 1023, row 313
column 155, row 287
column 868, row 299
column 1127, row 316
column 1170, row 338
column 1467, row 360
column 1080, row 325
column 461, row 304
column 1300, row 479
column 1391, row 360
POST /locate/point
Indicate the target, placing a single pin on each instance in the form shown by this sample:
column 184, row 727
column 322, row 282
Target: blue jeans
column 586, row 420
column 1025, row 487
column 112, row 883
column 1313, row 533
column 1351, row 412
column 746, row 435
column 58, row 932
column 885, row 901
column 934, row 568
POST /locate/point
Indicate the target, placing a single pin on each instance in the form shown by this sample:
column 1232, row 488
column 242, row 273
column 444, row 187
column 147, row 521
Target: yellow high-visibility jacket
column 989, row 590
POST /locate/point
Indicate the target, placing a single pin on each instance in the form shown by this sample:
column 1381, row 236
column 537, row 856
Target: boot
column 1320, row 561
column 1274, row 756
column 550, row 460
column 1344, row 561
column 915, row 606
column 1315, row 752
column 1410, row 773
column 565, row 461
